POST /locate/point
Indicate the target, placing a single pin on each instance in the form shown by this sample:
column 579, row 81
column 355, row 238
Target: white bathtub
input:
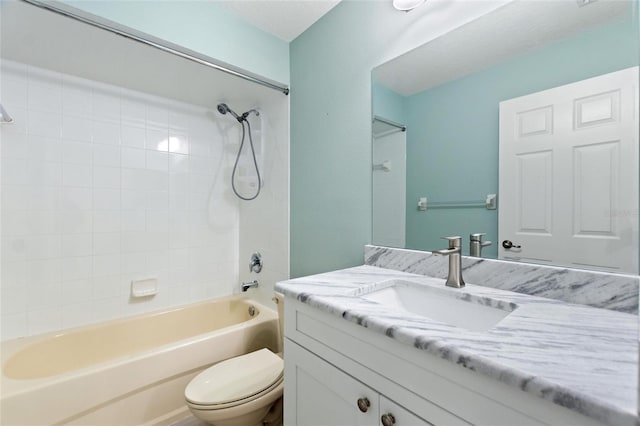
column 128, row 371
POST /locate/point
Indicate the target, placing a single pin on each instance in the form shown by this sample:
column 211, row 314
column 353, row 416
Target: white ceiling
column 286, row 19
column 510, row 30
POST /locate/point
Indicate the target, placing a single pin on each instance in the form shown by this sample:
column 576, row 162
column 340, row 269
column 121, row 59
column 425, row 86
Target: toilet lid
column 236, row 378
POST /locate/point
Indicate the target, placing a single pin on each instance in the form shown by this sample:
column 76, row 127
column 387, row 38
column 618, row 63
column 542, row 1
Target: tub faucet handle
column 255, row 264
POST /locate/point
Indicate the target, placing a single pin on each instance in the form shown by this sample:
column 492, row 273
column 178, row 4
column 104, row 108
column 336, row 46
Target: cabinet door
column 398, row 415
column 318, row 394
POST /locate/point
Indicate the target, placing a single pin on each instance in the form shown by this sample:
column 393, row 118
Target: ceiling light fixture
column 407, row 5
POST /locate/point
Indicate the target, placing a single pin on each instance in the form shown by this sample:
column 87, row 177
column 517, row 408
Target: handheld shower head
column 224, row 108
column 242, row 119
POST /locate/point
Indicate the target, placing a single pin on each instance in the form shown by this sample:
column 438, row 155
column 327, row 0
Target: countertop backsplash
column 617, row 292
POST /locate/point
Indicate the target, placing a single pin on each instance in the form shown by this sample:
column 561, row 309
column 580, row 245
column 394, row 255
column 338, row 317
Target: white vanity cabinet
column 332, row 366
column 325, row 395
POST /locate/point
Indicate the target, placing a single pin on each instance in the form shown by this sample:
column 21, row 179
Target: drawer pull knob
column 388, row 419
column 364, row 404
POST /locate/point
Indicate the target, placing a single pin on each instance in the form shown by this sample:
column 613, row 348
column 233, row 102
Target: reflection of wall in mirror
column 389, row 186
column 452, row 142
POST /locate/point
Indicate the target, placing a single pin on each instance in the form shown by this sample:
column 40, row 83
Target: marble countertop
column 579, row 357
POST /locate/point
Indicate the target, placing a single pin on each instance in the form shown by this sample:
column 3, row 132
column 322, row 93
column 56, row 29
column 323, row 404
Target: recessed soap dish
column 144, row 287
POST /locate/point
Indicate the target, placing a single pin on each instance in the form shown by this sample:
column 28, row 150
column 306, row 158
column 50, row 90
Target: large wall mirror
column 521, row 125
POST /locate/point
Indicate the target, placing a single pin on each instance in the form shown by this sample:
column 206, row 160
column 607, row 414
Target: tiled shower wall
column 102, row 185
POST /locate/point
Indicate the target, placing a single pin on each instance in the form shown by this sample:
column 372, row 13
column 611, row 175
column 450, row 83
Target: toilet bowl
column 241, row 390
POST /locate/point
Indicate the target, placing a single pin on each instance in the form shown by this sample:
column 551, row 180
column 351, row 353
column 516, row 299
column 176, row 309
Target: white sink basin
column 443, row 305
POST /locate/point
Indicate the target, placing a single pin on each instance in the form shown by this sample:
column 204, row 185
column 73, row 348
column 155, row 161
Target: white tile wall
column 265, row 220
column 101, row 185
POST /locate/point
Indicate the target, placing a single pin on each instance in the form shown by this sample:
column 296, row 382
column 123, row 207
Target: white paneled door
column 569, row 174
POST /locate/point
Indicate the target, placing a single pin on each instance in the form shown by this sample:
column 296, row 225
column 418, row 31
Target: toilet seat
column 236, row 403
column 235, row 381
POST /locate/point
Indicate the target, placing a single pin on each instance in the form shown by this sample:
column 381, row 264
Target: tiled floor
column 274, row 418
column 189, row 421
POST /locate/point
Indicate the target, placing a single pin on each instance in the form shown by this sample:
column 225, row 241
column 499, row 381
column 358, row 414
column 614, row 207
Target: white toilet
column 239, row 391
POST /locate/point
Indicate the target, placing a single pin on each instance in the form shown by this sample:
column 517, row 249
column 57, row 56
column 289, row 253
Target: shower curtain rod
column 402, row 127
column 163, row 45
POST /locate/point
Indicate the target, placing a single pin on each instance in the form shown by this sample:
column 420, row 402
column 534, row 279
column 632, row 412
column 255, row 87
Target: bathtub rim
column 12, row 387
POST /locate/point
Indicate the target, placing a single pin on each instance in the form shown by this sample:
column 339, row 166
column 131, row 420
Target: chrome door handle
column 509, row 245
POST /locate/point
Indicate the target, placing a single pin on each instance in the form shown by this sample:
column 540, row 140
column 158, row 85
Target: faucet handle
column 477, row 237
column 255, row 264
column 454, row 242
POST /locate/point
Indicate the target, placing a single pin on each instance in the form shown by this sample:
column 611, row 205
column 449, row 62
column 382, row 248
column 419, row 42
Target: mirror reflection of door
column 568, row 174
column 389, row 182
column 448, row 90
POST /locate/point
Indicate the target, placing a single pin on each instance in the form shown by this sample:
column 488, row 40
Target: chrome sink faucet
column 455, row 261
column 476, row 244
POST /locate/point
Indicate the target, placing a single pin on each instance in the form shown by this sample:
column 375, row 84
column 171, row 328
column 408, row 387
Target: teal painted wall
column 206, row 27
column 330, row 171
column 452, row 141
column 330, row 123
column 388, row 104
